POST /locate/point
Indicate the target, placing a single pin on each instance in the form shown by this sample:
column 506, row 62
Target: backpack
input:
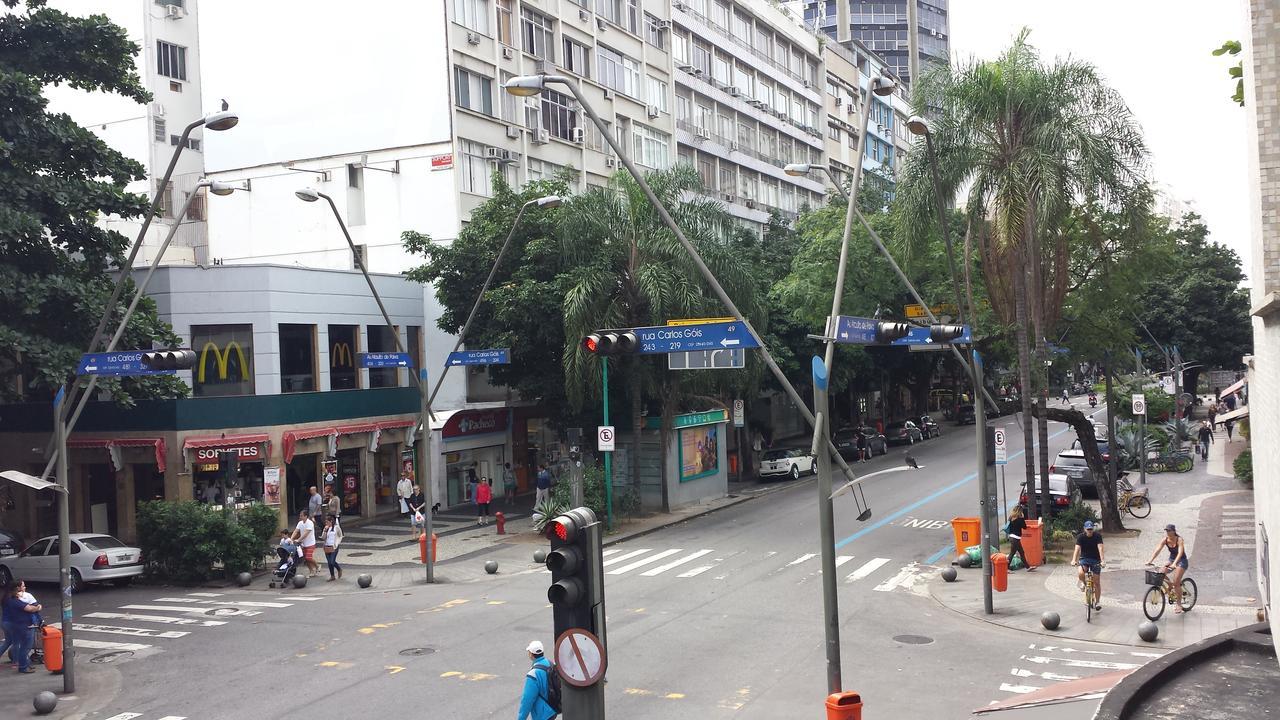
column 553, row 687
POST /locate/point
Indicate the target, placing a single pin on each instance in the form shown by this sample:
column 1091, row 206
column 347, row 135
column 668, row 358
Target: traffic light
column 611, row 342
column 173, row 359
column 945, row 333
column 577, row 573
column 890, row 331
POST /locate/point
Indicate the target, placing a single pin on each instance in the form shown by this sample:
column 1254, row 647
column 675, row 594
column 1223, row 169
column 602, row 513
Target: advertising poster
column 699, row 452
column 406, row 465
column 271, row 485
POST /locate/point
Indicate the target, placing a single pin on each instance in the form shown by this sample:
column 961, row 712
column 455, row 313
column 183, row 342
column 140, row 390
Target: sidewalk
column 96, row 687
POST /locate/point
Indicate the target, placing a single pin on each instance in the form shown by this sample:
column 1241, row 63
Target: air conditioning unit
column 578, row 134
column 880, row 129
column 600, row 24
column 610, row 161
column 608, row 93
column 678, row 5
column 849, row 108
column 473, row 38
column 174, row 11
column 933, row 32
column 541, row 137
column 508, row 53
column 728, row 197
column 653, row 111
column 751, row 204
column 157, row 109
column 662, row 24
column 807, row 84
column 584, row 15
column 734, row 146
column 686, row 67
column 734, row 92
column 513, row 132
column 756, row 103
column 839, row 101
column 697, row 72
column 493, row 153
column 701, row 133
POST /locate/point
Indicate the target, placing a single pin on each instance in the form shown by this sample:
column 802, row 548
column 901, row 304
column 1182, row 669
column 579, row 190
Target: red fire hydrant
column 501, row 521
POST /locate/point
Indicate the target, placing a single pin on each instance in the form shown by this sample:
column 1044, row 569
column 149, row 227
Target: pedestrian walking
column 1231, row 401
column 1017, row 525
column 332, row 539
column 304, row 533
column 18, row 616
column 1213, row 413
column 862, row 445
column 417, row 506
column 1204, row 437
column 472, row 481
column 543, row 485
column 1229, row 425
column 404, row 489
column 484, row 496
column 1066, row 399
column 332, row 506
column 315, row 505
column 535, row 699
column 508, row 484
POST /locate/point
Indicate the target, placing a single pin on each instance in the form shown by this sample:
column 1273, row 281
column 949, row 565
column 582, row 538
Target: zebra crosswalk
column 144, row 628
column 685, row 563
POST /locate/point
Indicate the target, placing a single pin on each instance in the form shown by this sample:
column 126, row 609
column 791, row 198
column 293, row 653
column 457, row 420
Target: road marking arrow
column 1019, row 672
column 1070, row 662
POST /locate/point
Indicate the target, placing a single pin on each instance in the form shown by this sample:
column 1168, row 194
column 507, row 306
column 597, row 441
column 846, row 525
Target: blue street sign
column 920, row 336
column 119, row 364
column 384, row 360
column 855, row 330
column 706, row 336
column 496, row 356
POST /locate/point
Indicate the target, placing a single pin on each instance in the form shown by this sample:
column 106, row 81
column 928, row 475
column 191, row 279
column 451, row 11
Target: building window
column 684, row 109
column 742, row 28
column 653, row 31
column 297, row 358
column 702, row 58
column 707, row 172
column 473, row 168
column 344, row 343
column 382, row 339
column 504, row 22
column 160, row 132
column 543, row 170
column 195, row 210
column 656, row 92
column 473, row 14
column 224, row 363
column 652, row 148
column 577, row 58
column 171, row 60
column 559, row 116
column 728, row 178
column 472, row 91
column 510, row 103
column 355, row 194
column 720, row 69
column 720, row 15
column 190, row 143
column 537, row 35
column 680, row 48
column 617, row 71
column 620, row 12
column 166, row 200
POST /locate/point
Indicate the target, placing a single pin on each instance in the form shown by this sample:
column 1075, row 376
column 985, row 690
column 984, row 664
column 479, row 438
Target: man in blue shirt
column 533, row 701
column 543, row 485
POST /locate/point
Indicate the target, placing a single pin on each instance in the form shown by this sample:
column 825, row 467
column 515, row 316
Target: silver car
column 94, row 558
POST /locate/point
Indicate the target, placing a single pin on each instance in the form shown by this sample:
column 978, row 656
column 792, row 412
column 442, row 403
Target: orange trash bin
column 51, row 643
column 999, row 572
column 1033, row 542
column 844, row 706
column 422, row 547
column 966, row 531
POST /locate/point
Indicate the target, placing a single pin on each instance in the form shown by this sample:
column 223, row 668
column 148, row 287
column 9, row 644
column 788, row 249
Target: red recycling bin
column 1033, row 542
column 844, row 706
column 999, row 572
column 51, row 643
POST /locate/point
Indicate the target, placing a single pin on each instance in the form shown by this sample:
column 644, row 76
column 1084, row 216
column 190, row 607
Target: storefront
column 697, row 460
column 229, row 469
column 474, row 445
column 106, row 473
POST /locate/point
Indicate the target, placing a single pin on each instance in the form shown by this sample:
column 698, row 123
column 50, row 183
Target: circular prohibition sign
column 580, row 658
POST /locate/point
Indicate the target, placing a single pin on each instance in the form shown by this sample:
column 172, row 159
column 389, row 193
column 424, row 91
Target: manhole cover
column 912, row 639
column 357, row 554
column 417, row 651
column 224, row 611
column 111, row 657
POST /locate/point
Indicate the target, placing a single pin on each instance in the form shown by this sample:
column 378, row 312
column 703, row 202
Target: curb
column 676, row 521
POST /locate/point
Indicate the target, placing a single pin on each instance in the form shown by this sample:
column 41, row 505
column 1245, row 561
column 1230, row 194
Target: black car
column 964, row 415
column 929, row 428
column 903, row 432
column 11, row 543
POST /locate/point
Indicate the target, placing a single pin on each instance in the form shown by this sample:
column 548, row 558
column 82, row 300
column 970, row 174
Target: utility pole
column 64, row 545
column 984, row 501
column 826, row 525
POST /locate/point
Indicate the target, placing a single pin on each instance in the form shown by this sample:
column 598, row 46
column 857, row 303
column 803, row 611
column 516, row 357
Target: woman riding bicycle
column 1178, row 560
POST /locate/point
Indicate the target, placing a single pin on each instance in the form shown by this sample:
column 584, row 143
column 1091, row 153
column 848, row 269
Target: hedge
column 189, row 541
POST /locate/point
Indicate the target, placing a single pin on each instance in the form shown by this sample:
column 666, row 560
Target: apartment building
column 849, row 70
column 887, row 28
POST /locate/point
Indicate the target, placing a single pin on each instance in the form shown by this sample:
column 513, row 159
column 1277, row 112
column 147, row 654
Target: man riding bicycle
column 1178, row 561
column 1089, row 553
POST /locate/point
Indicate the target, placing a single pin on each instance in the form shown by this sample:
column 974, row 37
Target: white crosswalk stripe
column 675, row 563
column 802, row 558
column 102, row 645
column 134, row 617
column 133, row 715
column 866, row 569
column 842, row 559
column 901, row 579
column 645, row 561
column 625, row 556
column 696, row 571
column 135, row 632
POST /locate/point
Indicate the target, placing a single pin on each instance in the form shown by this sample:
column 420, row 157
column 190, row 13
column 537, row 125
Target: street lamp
column 419, row 378
column 802, row 169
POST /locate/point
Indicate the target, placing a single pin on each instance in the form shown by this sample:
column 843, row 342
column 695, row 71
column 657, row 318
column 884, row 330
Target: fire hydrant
column 422, row 546
column 501, row 521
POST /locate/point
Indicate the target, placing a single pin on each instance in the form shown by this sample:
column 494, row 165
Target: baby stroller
column 287, row 567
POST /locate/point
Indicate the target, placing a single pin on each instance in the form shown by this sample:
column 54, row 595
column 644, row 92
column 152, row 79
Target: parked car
column 964, row 415
column 929, row 428
column 1062, row 493
column 10, row 543
column 846, row 442
column 877, row 443
column 1104, row 447
column 903, row 432
column 1072, row 464
column 787, row 461
column 94, row 558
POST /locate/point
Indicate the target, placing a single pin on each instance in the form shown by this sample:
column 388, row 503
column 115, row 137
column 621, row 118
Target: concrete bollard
column 963, row 560
column 1050, row 620
column 949, row 574
column 299, row 581
column 365, row 580
column 540, row 556
column 491, row 567
column 1149, row 631
column 45, row 702
column 243, row 579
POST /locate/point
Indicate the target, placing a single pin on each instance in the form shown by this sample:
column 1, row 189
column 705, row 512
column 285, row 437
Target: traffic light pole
column 608, row 456
column 826, row 528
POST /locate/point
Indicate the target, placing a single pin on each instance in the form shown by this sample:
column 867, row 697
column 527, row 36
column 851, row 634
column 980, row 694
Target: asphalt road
column 716, row 617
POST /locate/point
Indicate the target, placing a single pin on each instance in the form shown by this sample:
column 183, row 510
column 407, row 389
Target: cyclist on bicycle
column 1178, row 561
column 1089, row 553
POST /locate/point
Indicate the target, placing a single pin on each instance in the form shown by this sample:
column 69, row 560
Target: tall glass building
column 882, row 26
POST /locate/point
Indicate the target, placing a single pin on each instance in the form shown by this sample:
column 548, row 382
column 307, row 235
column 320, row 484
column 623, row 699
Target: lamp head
column 220, row 188
column 308, row 194
column 918, row 125
column 525, row 85
column 222, row 120
column 883, row 86
column 797, row 169
column 550, row 201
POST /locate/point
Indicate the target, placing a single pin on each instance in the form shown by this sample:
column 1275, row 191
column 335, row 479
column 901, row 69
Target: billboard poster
column 271, row 485
column 699, row 452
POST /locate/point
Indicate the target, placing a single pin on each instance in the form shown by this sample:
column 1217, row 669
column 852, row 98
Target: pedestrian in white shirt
column 304, row 533
column 404, row 489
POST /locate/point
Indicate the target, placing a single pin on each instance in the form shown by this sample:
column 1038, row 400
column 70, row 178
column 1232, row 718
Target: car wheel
column 6, row 577
column 77, row 582
column 795, row 472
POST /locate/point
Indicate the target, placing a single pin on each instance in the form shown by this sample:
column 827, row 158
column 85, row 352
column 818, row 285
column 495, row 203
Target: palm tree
column 629, row 270
column 1030, row 141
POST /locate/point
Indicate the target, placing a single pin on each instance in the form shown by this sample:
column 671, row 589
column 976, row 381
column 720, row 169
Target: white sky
column 1156, row 53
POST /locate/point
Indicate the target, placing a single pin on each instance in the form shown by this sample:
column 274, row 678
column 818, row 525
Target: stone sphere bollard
column 1050, row 620
column 963, row 560
column 1149, row 631
column 299, row 581
column 540, row 556
column 364, row 580
column 949, row 574
column 243, row 579
column 491, row 567
column 45, row 702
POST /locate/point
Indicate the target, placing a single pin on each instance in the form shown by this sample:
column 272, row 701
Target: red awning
column 389, row 424
column 224, row 441
column 290, row 438
column 109, row 443
column 355, row 429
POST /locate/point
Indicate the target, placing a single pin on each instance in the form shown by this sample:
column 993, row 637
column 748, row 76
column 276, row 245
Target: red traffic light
column 613, row 342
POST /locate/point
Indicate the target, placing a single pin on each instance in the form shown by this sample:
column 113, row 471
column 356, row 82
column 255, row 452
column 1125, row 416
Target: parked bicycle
column 1178, row 460
column 1133, row 501
column 1161, row 590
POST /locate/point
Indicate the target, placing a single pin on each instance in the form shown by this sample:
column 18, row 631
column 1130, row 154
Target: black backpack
column 553, row 687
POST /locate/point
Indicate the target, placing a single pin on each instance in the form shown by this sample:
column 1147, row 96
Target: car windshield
column 846, row 434
column 101, row 542
column 777, row 454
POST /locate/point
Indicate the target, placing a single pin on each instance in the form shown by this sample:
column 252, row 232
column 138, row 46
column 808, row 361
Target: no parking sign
column 605, row 438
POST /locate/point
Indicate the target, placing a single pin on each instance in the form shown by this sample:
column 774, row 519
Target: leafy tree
column 1236, row 71
column 58, row 179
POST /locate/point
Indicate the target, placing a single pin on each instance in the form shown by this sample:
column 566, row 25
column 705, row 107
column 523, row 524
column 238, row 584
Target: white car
column 788, row 461
column 94, row 558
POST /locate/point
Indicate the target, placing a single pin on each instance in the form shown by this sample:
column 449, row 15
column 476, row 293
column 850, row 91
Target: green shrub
column 1243, row 467
column 1072, row 519
column 592, row 490
column 185, row 541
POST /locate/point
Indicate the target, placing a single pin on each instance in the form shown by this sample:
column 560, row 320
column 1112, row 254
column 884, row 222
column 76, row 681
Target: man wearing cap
column 533, row 701
column 1089, row 553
